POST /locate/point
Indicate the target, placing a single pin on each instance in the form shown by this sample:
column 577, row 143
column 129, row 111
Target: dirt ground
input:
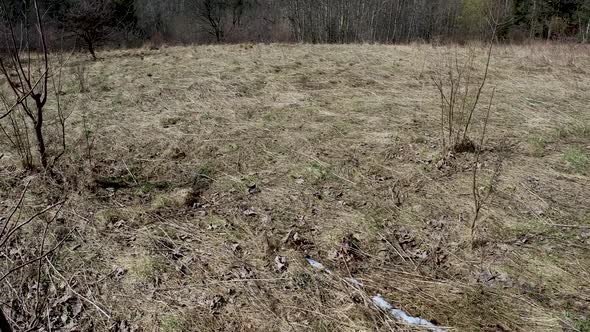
column 198, row 179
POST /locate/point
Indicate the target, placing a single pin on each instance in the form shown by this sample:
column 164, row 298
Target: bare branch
column 16, row 228
column 16, row 207
column 16, row 268
column 22, row 98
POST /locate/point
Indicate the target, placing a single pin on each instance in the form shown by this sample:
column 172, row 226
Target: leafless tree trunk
column 533, row 24
column 90, row 47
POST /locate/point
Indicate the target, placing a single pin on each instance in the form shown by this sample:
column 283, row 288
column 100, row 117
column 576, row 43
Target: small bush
column 460, row 100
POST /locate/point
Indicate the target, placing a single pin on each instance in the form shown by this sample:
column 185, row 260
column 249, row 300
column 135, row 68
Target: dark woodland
column 127, row 23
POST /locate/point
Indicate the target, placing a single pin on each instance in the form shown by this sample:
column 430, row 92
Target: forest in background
column 127, row 23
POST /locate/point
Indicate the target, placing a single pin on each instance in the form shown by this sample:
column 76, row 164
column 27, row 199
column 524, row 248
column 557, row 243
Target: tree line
column 133, row 22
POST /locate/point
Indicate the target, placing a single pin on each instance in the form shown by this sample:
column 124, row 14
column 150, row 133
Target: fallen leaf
column 281, row 263
column 253, row 189
column 65, row 298
column 77, row 308
column 249, row 212
column 118, row 273
column 216, row 303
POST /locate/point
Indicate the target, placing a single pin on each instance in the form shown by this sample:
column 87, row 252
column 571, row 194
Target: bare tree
column 91, row 21
column 212, row 14
column 217, row 15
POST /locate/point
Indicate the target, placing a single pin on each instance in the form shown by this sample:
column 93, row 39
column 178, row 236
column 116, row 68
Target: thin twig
column 481, row 86
column 129, row 171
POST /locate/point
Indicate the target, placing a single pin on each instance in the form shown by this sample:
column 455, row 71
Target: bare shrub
column 460, row 94
column 460, row 100
column 28, row 73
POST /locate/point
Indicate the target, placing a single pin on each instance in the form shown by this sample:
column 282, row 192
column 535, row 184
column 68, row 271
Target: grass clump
column 574, row 131
column 169, row 122
column 537, row 145
column 176, row 199
column 172, row 323
column 583, row 325
column 577, row 159
column 319, row 172
column 579, row 323
column 146, row 268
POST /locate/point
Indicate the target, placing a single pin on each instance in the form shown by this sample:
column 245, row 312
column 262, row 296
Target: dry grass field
column 198, row 179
